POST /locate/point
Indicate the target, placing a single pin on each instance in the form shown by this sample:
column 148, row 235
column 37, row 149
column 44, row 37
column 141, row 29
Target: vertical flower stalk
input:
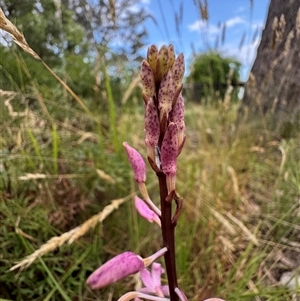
column 164, row 129
column 161, row 76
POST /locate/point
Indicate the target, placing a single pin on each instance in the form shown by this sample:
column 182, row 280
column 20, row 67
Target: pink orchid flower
column 152, row 281
column 119, row 267
column 115, row 269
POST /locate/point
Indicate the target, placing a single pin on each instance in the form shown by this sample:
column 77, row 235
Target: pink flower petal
column 152, row 281
column 156, row 271
column 115, row 269
column 166, row 290
column 137, row 163
column 146, row 277
column 145, row 211
column 181, row 294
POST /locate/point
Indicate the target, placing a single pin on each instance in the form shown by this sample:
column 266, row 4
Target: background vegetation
column 62, row 163
column 210, row 76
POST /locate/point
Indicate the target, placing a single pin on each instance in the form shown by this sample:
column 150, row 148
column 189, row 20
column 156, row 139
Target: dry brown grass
column 70, row 236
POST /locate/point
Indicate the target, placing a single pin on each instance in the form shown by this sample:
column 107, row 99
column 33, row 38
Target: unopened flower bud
column 161, row 63
column 152, row 57
column 137, row 163
column 147, row 78
column 115, row 269
column 119, row 267
column 178, row 70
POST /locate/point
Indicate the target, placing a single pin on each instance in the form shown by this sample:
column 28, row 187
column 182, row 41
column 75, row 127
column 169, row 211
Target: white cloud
column 240, row 9
column 201, row 25
column 234, row 21
column 145, row 1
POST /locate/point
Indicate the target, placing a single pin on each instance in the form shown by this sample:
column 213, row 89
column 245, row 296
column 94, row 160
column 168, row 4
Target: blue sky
column 196, row 35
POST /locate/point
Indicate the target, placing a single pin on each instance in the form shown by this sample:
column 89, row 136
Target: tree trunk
column 273, row 86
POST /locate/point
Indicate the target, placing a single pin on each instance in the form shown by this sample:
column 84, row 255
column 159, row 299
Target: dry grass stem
column 71, row 92
column 31, row 176
column 224, row 222
column 104, row 176
column 20, row 232
column 283, row 159
column 234, row 179
column 247, row 232
column 203, row 9
column 18, row 37
column 70, row 236
column 130, row 89
column 42, row 104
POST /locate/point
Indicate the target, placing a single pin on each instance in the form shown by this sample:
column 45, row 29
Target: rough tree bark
column 274, row 82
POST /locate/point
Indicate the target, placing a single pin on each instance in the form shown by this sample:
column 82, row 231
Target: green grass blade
column 112, row 112
column 35, row 145
column 69, row 272
column 55, row 139
column 51, row 278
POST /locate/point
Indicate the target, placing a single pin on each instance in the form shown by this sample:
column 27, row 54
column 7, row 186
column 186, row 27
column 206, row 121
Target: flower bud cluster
column 161, row 75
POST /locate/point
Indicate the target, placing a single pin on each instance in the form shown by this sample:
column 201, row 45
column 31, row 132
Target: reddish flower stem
column 168, row 233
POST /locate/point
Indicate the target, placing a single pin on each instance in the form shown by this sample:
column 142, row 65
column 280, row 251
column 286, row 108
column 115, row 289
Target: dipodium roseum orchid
column 161, row 76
